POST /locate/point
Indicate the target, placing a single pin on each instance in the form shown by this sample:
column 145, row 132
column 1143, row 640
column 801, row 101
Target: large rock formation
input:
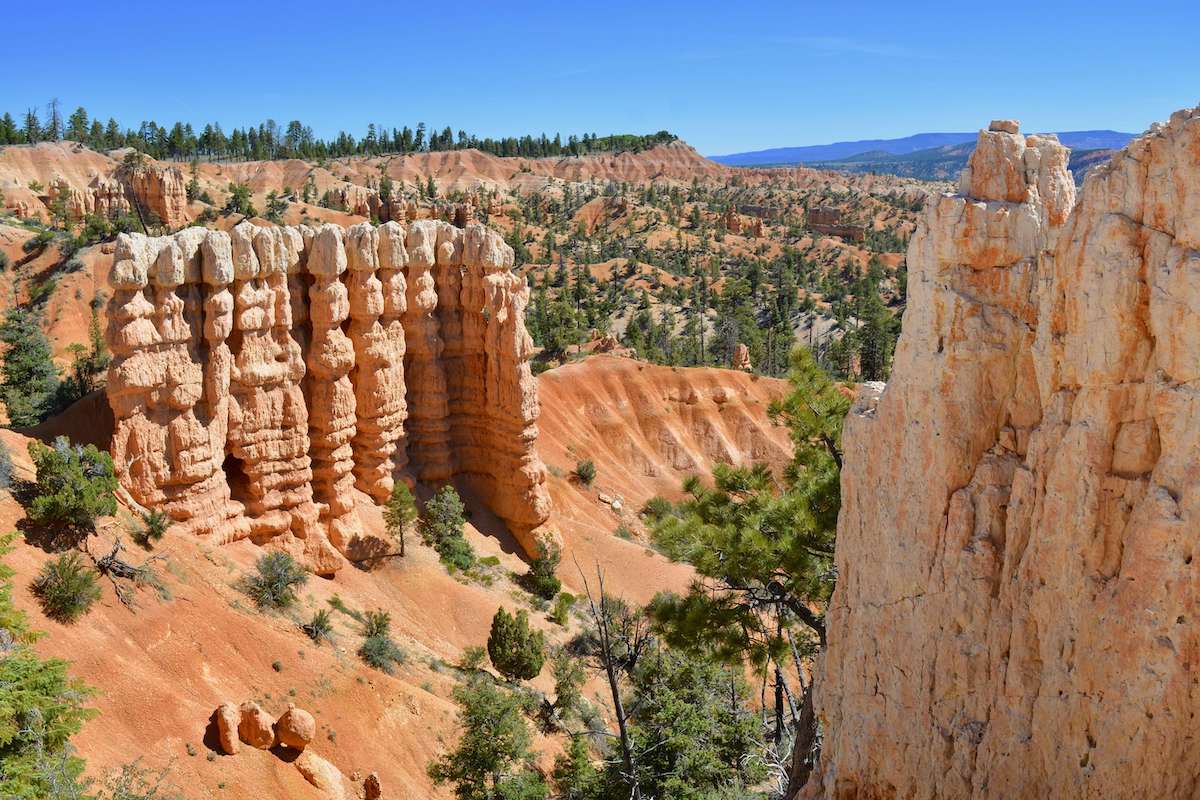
column 260, row 376
column 160, row 190
column 1016, row 603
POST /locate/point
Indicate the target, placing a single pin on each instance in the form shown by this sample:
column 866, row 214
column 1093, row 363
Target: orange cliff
column 1014, row 615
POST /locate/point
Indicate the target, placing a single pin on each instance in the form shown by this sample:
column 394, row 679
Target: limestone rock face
column 266, row 380
column 1015, row 609
column 162, row 190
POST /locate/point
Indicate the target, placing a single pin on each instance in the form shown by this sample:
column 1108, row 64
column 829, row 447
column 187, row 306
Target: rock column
column 331, row 399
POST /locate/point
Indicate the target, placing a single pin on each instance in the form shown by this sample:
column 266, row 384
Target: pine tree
column 29, row 382
column 401, row 511
column 492, row 759
column 767, row 555
column 41, row 707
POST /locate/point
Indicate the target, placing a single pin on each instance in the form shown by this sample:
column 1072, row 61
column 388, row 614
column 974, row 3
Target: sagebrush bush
column 275, row 580
column 585, row 471
column 66, row 587
column 320, row 627
column 6, row 466
column 381, row 653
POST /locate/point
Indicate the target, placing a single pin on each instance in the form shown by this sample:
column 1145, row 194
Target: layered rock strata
column 161, row 190
column 1017, row 592
column 267, row 380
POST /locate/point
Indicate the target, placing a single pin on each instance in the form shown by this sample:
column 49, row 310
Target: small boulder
column 296, row 728
column 1005, row 126
column 371, row 788
column 227, row 728
column 255, row 727
column 321, row 774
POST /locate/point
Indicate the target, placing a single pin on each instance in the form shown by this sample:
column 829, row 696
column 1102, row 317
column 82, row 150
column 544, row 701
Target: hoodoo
column 1016, row 602
column 260, row 377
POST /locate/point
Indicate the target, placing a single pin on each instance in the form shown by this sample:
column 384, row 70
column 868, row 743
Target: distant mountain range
column 1076, row 140
column 928, row 156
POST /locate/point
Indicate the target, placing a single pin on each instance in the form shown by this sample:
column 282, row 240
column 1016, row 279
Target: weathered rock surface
column 259, row 376
column 1015, row 609
column 295, row 728
column 228, row 719
column 323, row 775
column 161, row 190
column 255, row 727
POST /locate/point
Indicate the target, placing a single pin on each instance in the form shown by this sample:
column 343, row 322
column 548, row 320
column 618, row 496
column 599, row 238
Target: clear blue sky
column 726, row 76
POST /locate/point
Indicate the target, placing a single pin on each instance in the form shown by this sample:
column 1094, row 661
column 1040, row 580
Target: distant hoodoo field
column 261, row 376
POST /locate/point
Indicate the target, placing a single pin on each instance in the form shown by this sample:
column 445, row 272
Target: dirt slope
column 162, row 670
column 645, row 427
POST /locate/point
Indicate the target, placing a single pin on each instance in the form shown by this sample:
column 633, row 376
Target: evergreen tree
column 401, row 511
column 492, row 759
column 29, row 383
column 517, row 652
column 442, row 528
column 41, row 707
column 765, row 557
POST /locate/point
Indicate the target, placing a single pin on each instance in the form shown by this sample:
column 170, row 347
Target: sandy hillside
column 162, row 670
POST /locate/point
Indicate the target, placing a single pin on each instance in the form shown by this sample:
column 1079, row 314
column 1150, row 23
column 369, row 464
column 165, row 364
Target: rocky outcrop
column 1016, row 585
column 260, row 377
column 160, row 190
column 104, row 196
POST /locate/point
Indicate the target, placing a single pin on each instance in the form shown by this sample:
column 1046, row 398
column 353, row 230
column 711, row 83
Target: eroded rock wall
column 1016, row 602
column 267, row 380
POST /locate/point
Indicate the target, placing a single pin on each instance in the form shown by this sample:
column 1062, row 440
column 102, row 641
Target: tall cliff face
column 1017, row 598
column 261, row 376
column 161, row 190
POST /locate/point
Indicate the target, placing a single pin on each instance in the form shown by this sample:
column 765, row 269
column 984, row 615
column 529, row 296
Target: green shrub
column 6, row 466
column 154, row 525
column 273, row 585
column 381, row 653
column 517, row 652
column 472, row 658
column 585, row 471
column 75, row 484
column 66, row 587
column 657, row 507
column 561, row 613
column 320, row 627
column 376, row 623
column 442, row 528
column 541, row 580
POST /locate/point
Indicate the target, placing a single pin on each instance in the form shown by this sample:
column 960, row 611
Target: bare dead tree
column 622, row 638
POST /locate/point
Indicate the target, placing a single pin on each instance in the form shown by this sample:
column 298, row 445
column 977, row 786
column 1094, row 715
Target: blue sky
column 725, row 76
